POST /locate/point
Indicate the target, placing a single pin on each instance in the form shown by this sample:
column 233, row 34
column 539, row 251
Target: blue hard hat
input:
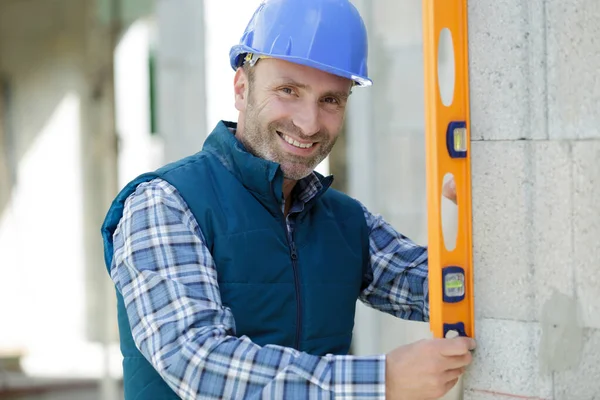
column 329, row 35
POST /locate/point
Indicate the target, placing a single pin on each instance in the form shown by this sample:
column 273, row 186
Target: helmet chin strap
column 251, row 59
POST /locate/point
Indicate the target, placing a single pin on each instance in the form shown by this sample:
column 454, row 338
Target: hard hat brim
column 238, row 50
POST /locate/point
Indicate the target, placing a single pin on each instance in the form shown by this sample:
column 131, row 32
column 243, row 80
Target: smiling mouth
column 294, row 142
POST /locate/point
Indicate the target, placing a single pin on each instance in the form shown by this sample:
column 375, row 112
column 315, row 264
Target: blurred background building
column 94, row 92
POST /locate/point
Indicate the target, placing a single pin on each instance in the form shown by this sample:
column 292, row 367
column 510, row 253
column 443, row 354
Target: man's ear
column 241, row 88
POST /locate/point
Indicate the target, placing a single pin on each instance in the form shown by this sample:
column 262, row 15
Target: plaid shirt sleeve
column 397, row 281
column 169, row 283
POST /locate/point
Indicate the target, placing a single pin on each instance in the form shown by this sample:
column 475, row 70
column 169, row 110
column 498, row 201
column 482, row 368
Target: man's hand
column 449, row 190
column 427, row 369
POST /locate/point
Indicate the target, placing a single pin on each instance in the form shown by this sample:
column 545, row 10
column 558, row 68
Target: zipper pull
column 293, row 254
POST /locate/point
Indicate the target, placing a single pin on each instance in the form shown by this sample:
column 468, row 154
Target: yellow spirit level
column 448, row 152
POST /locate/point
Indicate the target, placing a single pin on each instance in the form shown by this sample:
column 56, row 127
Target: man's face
column 290, row 114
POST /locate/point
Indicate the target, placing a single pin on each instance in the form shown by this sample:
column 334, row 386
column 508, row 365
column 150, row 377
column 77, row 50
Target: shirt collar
column 263, row 178
column 308, row 187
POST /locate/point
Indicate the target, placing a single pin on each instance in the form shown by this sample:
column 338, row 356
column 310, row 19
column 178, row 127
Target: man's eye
column 287, row 90
column 331, row 100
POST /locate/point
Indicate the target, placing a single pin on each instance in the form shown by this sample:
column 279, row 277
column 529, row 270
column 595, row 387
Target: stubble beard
column 264, row 143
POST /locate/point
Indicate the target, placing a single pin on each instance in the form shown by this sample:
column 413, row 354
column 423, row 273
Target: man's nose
column 307, row 119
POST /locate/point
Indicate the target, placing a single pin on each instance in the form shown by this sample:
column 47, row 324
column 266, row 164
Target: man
column 237, row 269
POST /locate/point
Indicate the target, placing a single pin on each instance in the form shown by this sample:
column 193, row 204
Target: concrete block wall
column 535, row 118
column 535, row 115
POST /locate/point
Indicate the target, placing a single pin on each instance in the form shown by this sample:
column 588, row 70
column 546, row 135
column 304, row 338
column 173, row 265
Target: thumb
column 457, row 346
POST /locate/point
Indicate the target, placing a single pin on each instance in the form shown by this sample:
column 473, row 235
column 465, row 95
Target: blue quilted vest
column 296, row 289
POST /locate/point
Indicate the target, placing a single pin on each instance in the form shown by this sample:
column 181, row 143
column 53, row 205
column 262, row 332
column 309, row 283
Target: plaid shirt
column 168, row 279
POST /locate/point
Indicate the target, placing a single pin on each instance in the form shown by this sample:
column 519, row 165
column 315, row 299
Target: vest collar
column 263, row 178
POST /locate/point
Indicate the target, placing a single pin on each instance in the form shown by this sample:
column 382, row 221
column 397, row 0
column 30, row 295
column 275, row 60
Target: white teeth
column 296, row 143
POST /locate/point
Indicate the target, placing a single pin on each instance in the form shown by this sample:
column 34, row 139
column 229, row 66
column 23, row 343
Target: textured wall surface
column 535, row 102
column 535, row 118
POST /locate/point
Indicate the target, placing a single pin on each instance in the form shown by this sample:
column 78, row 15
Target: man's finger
column 454, row 362
column 449, row 190
column 450, row 385
column 453, row 374
column 457, row 346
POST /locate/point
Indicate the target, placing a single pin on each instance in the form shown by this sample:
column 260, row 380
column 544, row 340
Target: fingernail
column 473, row 344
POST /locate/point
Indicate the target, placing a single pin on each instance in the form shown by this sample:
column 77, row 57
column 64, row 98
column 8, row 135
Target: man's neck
column 288, row 186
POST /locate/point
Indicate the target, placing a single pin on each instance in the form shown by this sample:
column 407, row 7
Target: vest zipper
column 294, row 257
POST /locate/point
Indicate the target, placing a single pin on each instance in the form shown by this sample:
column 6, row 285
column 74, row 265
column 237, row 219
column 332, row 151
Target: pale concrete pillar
column 100, row 149
column 6, row 165
column 181, row 76
column 361, row 184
